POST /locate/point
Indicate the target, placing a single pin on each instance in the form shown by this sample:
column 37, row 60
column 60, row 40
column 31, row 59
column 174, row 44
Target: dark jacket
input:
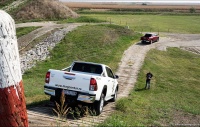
column 149, row 76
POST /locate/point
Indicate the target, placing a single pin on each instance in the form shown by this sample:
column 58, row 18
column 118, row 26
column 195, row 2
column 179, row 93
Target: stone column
column 12, row 100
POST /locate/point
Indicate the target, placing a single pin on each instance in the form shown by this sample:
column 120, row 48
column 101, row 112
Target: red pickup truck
column 149, row 38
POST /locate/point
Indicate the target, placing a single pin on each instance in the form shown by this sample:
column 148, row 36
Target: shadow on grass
column 40, row 103
column 140, row 89
column 142, row 44
column 46, row 108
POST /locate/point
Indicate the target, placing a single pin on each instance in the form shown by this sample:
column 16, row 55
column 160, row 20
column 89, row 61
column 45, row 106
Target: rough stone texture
column 12, row 99
column 45, row 9
column 40, row 51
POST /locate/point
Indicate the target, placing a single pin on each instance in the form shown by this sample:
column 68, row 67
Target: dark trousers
column 147, row 84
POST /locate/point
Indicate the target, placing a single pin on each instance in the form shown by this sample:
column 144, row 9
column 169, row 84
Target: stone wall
column 41, row 51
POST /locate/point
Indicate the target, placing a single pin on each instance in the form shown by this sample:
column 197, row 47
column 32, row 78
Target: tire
column 99, row 105
column 53, row 99
column 115, row 96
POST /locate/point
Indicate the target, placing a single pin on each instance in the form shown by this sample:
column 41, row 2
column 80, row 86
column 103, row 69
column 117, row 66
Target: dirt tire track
column 131, row 62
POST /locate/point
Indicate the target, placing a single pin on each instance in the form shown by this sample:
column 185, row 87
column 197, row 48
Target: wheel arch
column 117, row 87
column 104, row 90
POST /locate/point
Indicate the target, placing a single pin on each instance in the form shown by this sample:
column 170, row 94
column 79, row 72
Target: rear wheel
column 99, row 105
column 55, row 99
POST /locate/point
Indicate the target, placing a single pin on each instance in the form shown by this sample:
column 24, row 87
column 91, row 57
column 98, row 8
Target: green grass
column 156, row 23
column 25, row 30
column 5, row 3
column 82, row 19
column 176, row 72
column 94, row 43
column 191, row 12
column 174, row 88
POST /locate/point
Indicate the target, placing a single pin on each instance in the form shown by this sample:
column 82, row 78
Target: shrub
column 192, row 10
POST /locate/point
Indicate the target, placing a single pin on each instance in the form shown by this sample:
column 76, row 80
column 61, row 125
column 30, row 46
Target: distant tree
column 144, row 3
column 192, row 10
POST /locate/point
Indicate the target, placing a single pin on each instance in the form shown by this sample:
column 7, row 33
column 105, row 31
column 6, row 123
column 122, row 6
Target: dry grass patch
column 182, row 118
column 45, row 9
column 102, row 6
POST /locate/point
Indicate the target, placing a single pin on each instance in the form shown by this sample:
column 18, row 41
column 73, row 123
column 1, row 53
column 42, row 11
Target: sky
column 197, row 2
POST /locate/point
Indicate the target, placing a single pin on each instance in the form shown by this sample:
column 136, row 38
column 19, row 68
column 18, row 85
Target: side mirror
column 116, row 76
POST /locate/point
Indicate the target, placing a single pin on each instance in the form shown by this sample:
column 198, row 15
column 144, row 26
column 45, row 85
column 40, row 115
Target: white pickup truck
column 84, row 82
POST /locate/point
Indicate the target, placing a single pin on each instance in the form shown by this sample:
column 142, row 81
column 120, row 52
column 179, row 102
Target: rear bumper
column 80, row 96
column 145, row 41
column 50, row 91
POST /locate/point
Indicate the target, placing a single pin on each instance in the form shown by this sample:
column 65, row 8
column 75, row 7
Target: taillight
column 93, row 84
column 47, row 79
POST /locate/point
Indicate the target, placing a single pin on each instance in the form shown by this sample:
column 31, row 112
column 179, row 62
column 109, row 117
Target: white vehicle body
column 83, row 81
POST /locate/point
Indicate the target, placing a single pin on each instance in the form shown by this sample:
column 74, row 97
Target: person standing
column 149, row 75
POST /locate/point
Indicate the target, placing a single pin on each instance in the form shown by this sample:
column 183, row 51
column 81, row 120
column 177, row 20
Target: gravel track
column 129, row 67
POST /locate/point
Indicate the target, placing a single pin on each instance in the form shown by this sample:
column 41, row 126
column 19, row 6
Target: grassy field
column 4, row 3
column 156, row 23
column 25, row 30
column 174, row 91
column 176, row 72
column 101, row 43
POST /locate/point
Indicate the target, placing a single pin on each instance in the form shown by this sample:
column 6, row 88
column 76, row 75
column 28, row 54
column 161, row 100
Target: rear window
column 89, row 68
column 148, row 35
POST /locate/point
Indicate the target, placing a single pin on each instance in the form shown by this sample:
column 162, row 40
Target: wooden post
column 12, row 100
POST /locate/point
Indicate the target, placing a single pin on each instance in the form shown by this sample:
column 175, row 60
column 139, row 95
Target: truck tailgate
column 71, row 81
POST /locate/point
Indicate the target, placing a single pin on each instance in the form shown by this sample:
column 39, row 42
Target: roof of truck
column 88, row 62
